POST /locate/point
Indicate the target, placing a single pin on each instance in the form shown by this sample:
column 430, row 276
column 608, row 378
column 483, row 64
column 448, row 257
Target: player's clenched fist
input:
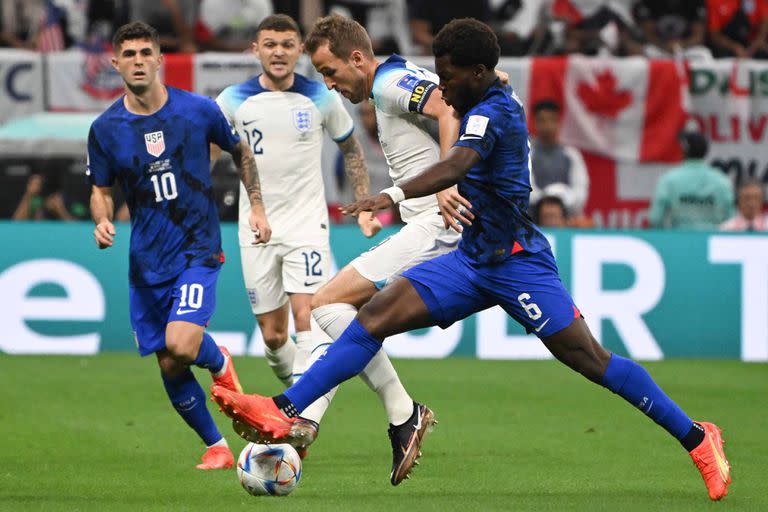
column 259, row 225
column 369, row 204
column 104, row 234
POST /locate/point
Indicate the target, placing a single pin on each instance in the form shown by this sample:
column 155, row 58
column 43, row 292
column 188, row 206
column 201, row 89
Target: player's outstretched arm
column 102, row 211
column 357, row 173
column 249, row 175
column 436, row 177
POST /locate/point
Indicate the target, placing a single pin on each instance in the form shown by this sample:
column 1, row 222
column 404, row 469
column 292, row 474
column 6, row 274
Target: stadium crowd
column 689, row 29
column 694, row 28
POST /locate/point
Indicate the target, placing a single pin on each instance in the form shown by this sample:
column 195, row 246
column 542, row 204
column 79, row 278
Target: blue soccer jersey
column 162, row 162
column 499, row 185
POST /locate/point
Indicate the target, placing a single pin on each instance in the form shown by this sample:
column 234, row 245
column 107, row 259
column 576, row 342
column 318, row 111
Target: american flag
column 50, row 37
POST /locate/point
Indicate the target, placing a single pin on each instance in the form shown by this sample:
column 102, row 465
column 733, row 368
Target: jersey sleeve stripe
column 345, row 136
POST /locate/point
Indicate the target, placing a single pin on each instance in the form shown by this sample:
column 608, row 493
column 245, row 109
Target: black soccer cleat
column 406, row 441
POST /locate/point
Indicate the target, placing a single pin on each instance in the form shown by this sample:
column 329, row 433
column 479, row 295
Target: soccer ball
column 269, row 469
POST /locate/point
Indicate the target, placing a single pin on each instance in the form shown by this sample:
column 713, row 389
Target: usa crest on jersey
column 155, row 143
column 302, row 119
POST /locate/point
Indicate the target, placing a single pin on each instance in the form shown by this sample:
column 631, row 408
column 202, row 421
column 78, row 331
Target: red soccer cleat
column 229, row 378
column 709, row 458
column 259, row 412
column 217, row 457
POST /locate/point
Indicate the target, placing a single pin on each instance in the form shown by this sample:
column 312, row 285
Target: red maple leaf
column 602, row 97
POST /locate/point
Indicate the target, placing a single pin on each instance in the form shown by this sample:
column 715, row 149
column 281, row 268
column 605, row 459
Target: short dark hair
column 548, row 200
column 546, row 106
column 135, row 30
column 468, row 42
column 278, row 23
column 343, row 36
column 694, row 145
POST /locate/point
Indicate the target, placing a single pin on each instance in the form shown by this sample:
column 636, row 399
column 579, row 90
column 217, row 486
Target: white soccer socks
column 281, row 361
column 379, row 375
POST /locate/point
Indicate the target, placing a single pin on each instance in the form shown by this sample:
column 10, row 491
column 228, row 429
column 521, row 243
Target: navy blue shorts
column 191, row 297
column 527, row 286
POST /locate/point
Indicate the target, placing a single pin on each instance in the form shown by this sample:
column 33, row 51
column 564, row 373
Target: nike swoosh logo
column 311, row 284
column 539, row 328
column 418, row 421
column 184, row 311
column 722, row 466
column 470, row 137
column 246, row 123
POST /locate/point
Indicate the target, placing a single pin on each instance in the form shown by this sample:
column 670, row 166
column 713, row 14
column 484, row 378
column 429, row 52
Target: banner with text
column 649, row 295
column 21, row 79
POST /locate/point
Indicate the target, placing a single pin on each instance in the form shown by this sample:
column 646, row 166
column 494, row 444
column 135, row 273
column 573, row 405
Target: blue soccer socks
column 189, row 400
column 630, row 380
column 343, row 359
column 209, row 356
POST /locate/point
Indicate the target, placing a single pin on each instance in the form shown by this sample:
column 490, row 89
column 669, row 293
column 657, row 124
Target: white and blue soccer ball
column 269, row 469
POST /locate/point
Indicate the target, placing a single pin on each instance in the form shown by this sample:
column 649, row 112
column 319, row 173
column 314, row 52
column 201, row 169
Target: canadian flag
column 630, row 110
column 624, row 115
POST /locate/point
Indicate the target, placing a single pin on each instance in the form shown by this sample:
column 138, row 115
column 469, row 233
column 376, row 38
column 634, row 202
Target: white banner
column 81, row 81
column 21, row 79
column 729, row 103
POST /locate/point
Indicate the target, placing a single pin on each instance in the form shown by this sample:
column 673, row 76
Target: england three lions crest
column 155, row 143
column 302, row 119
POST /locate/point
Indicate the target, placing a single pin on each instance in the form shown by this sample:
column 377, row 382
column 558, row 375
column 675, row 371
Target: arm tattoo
column 249, row 174
column 355, row 166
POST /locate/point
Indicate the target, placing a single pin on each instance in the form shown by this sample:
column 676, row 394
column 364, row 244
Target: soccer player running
column 404, row 96
column 155, row 141
column 503, row 259
column 282, row 115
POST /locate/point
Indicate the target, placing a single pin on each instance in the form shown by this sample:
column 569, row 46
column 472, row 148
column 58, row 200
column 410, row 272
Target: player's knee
column 274, row 338
column 181, row 346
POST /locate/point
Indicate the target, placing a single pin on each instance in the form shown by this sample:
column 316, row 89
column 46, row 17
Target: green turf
column 96, row 433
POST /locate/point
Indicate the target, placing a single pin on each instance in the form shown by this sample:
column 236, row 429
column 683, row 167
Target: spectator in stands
column 386, row 21
column 550, row 212
column 427, row 18
column 594, row 27
column 18, row 19
column 42, row 200
column 692, row 195
column 523, row 27
column 33, row 25
column 174, row 19
column 552, row 162
column 750, row 205
column 738, row 28
column 229, row 25
column 670, row 27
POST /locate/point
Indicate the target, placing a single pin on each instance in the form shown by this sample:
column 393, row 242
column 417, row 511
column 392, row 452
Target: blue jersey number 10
column 165, row 186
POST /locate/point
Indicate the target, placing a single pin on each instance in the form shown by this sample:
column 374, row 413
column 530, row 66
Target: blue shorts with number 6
column 191, row 297
column 527, row 286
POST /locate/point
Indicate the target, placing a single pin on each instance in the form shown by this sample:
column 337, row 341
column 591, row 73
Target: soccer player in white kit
column 282, row 114
column 403, row 95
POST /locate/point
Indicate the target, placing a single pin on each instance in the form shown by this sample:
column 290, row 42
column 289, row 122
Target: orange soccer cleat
column 217, row 457
column 228, row 379
column 259, row 412
column 709, row 458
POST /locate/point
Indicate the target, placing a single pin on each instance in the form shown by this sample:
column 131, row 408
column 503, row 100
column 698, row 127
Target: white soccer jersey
column 400, row 91
column 285, row 132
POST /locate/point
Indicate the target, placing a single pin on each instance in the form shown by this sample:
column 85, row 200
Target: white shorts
column 420, row 240
column 271, row 272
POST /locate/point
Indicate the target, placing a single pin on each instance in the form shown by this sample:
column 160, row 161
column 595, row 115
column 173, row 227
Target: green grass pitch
column 97, row 433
